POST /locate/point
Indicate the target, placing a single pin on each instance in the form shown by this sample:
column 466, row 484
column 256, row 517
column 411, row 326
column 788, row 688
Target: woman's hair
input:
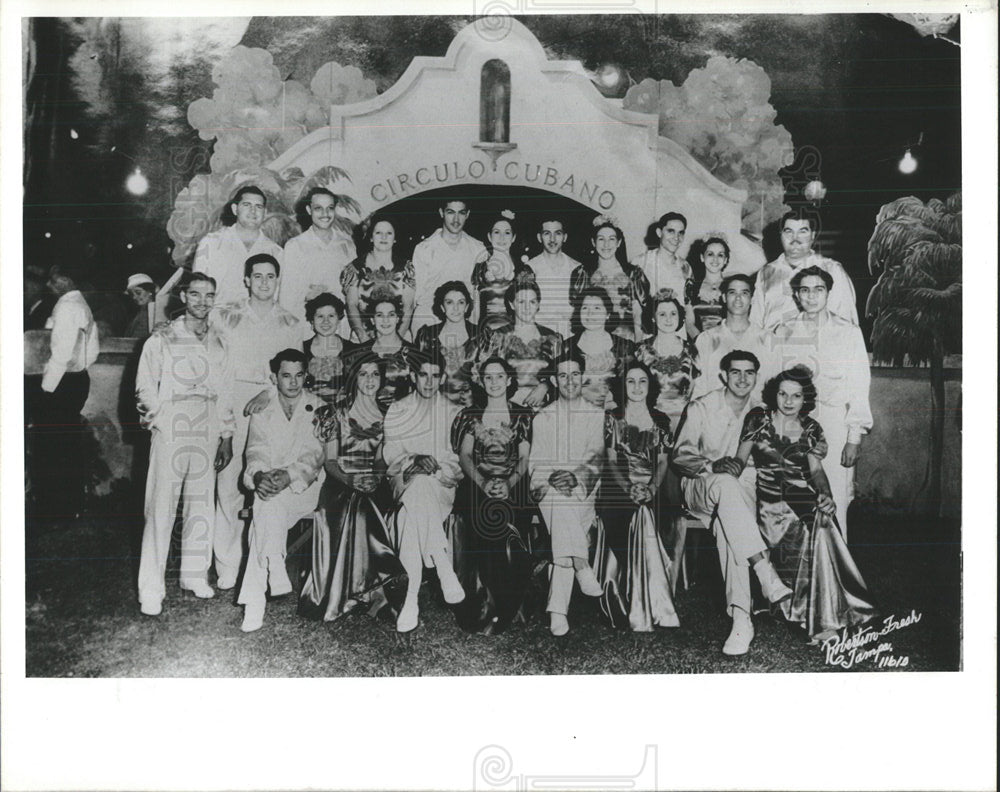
column 354, row 369
column 228, row 216
column 649, row 311
column 592, row 291
column 517, row 247
column 442, row 291
column 619, row 387
column 620, row 255
column 365, row 245
column 479, row 393
column 321, row 300
column 518, row 286
column 698, row 250
column 652, row 239
column 395, row 300
column 799, row 374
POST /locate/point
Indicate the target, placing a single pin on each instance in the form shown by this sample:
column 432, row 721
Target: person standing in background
column 65, row 385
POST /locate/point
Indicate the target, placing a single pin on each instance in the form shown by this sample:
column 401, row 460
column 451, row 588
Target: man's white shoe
column 253, row 618
column 588, row 582
column 200, row 589
column 409, row 615
column 558, row 625
column 770, row 584
column 225, row 583
column 150, row 608
column 738, row 642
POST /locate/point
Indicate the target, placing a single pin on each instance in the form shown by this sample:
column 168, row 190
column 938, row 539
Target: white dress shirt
column 552, row 277
column 252, row 340
column 709, row 431
column 278, row 442
column 435, row 261
column 75, row 340
column 311, row 267
column 222, row 255
column 177, row 366
column 716, row 342
column 773, row 302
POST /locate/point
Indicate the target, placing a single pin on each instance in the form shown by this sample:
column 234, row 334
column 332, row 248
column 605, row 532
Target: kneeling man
column 424, row 471
column 284, row 468
column 565, row 464
column 720, row 493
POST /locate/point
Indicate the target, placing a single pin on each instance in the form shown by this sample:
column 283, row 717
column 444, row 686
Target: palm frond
column 939, row 261
column 908, row 206
column 900, row 333
column 892, row 237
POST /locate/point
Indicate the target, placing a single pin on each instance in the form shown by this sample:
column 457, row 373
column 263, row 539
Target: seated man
column 720, row 492
column 565, row 467
column 284, row 468
column 424, row 471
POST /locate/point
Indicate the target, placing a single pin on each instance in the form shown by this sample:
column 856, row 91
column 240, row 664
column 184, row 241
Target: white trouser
column 418, row 530
column 727, row 506
column 228, row 543
column 272, row 518
column 181, row 466
column 568, row 520
column 841, row 478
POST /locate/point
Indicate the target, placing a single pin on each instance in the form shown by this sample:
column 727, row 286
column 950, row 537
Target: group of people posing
column 560, row 416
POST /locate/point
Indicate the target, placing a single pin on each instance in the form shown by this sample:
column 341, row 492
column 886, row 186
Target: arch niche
column 495, row 111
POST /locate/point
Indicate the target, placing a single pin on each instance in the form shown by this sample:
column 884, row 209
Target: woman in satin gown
column 454, row 338
column 528, row 346
column 604, row 353
column 353, row 565
column 630, row 561
column 500, row 265
column 492, row 439
column 796, row 512
column 388, row 345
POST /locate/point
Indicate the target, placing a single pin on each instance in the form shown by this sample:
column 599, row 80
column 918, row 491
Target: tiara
column 715, row 235
column 605, row 220
column 507, row 214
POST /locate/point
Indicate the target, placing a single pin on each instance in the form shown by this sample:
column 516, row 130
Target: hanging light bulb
column 815, row 190
column 136, row 183
column 908, row 163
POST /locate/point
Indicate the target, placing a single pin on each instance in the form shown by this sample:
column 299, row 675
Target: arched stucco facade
column 424, row 133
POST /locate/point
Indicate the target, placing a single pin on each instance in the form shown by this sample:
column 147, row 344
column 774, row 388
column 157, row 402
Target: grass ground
column 83, row 620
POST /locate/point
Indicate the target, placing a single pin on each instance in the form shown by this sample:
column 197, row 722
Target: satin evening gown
column 629, row 558
column 807, row 548
column 491, row 548
column 353, row 564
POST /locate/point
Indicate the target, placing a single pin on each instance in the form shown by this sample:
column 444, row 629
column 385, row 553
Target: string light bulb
column 908, row 163
column 136, row 183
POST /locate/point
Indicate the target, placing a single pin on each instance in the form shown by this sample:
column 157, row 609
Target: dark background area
column 853, row 90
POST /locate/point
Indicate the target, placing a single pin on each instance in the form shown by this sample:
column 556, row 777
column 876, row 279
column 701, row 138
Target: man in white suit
column 284, row 468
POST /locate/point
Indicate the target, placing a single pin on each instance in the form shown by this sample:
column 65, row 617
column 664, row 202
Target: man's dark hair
column 288, row 356
column 737, row 276
column 199, row 276
column 799, row 214
column 805, row 272
column 738, row 354
column 261, row 258
column 571, row 355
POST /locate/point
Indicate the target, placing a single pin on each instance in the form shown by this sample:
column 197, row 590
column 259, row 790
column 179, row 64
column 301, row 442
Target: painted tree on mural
column 916, row 252
column 254, row 116
column 735, row 136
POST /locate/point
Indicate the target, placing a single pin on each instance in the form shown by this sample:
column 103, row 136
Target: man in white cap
column 151, row 301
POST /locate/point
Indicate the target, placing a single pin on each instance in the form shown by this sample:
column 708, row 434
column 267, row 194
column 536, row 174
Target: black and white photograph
column 585, row 368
